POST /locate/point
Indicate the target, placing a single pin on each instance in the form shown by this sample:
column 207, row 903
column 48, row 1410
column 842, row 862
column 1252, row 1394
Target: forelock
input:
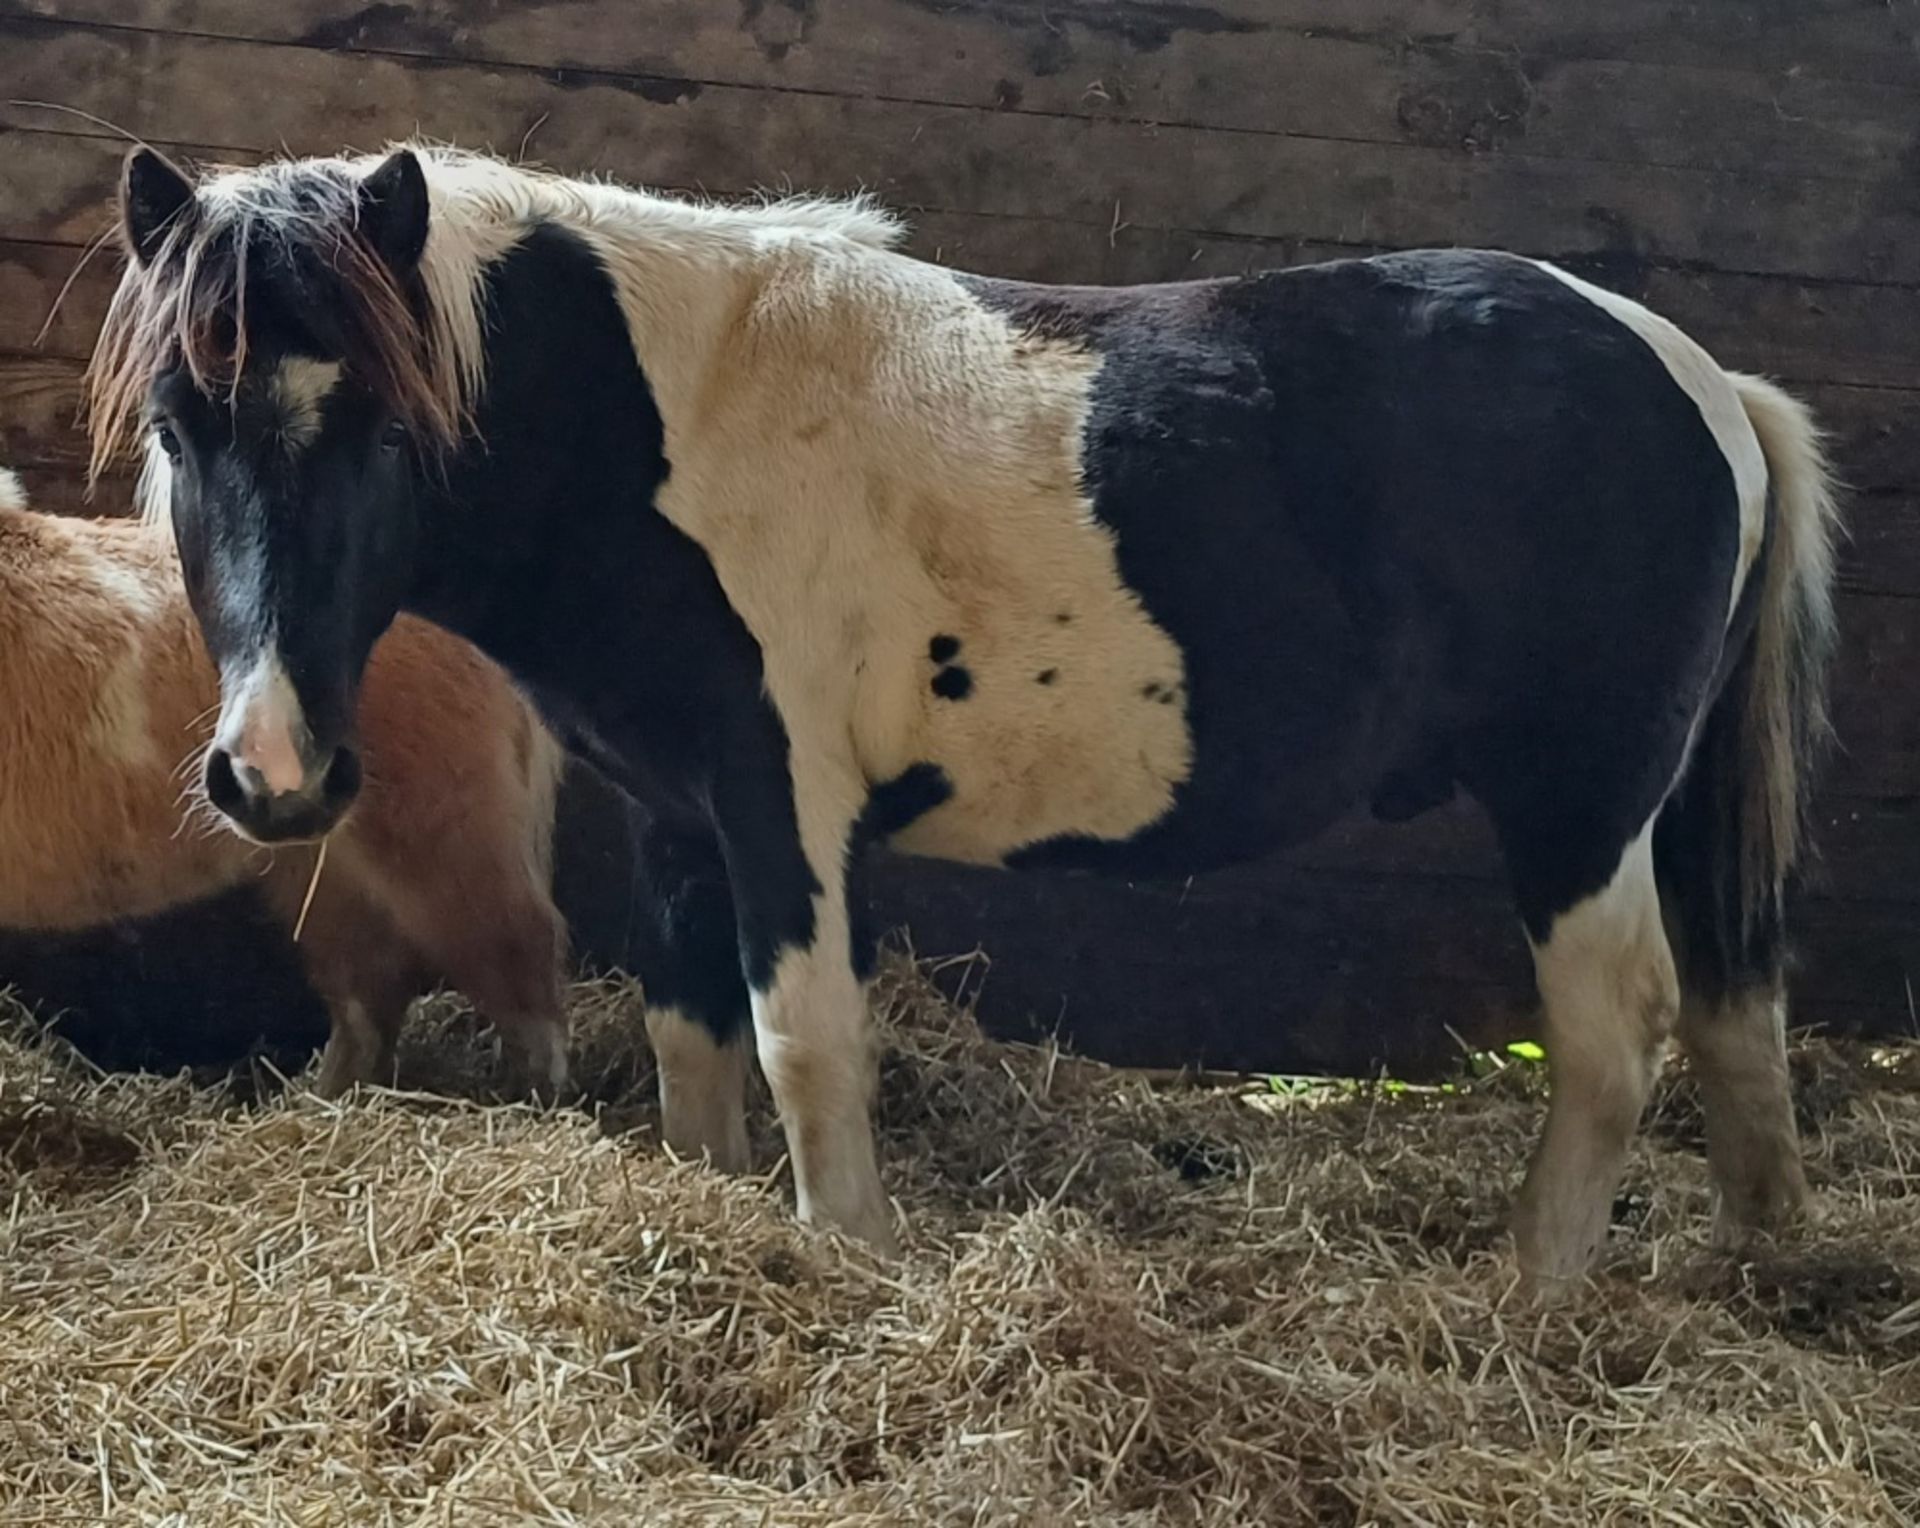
column 285, row 235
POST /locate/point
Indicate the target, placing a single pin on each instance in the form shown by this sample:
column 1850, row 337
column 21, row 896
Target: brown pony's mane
column 188, row 304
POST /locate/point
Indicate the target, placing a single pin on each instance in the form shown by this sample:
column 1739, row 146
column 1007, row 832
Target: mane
column 419, row 345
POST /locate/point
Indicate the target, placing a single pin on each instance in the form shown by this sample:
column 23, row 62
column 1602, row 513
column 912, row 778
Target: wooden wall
column 1749, row 167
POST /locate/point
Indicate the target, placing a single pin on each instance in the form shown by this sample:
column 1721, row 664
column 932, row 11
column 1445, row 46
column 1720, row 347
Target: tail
column 1735, row 831
column 13, row 493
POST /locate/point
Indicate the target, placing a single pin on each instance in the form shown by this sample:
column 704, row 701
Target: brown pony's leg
column 361, row 1046
column 511, row 973
column 356, row 959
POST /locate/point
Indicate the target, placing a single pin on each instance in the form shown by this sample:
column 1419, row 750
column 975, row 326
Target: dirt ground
column 1126, row 1301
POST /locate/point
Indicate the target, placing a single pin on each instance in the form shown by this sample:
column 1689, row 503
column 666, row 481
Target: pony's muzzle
column 327, row 786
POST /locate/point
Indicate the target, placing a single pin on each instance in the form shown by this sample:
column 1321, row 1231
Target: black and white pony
column 820, row 546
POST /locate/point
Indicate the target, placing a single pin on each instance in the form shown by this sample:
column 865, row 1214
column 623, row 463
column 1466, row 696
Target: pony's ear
column 393, row 211
column 155, row 198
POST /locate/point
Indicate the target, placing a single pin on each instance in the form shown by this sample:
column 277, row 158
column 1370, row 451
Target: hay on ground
column 1124, row 1303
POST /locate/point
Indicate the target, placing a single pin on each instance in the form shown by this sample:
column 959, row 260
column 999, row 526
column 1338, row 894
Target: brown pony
column 442, row 873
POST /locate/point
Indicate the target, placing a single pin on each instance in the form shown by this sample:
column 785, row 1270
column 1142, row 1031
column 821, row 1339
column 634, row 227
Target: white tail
column 1785, row 716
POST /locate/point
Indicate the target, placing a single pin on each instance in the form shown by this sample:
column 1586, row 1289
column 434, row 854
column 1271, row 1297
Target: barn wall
column 1749, row 167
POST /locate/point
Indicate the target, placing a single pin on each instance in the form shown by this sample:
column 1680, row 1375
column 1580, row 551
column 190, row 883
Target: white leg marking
column 262, row 726
column 816, row 1052
column 1738, row 1047
column 702, row 1090
column 1611, row 997
column 811, row 1028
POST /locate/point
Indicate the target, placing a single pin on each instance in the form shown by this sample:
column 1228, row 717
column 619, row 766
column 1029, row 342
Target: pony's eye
column 394, row 436
column 169, row 442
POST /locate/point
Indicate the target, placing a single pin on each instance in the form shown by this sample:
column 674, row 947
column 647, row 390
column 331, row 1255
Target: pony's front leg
column 788, row 863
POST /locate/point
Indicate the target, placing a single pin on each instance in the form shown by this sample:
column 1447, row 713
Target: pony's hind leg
column 1730, row 944
column 1611, row 1000
column 1737, row 1044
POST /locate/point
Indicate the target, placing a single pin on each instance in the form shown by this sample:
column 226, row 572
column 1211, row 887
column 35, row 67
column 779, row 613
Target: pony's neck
column 682, row 272
column 540, row 541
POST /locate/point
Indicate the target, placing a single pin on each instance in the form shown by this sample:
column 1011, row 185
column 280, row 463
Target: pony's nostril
column 223, row 785
column 343, row 777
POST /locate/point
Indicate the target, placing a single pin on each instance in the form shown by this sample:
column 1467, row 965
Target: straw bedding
column 1126, row 1302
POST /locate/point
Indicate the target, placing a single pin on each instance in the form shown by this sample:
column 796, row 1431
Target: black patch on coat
column 1383, row 508
column 891, row 806
column 685, row 945
column 611, row 615
column 1046, row 676
column 943, row 649
column 953, row 683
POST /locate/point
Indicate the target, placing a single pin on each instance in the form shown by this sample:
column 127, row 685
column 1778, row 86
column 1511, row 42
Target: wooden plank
column 59, row 188
column 1878, row 727
column 32, row 277
column 61, row 491
column 1178, row 65
column 731, row 139
column 1270, row 967
column 39, row 413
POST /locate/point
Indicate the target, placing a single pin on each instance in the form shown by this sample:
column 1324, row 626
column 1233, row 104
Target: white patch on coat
column 1610, row 999
column 810, row 1021
column 13, row 493
column 262, row 725
column 703, row 1090
column 299, row 390
column 1715, row 394
column 872, row 458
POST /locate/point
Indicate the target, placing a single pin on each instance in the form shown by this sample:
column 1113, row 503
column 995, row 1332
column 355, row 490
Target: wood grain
column 733, row 139
column 1478, row 81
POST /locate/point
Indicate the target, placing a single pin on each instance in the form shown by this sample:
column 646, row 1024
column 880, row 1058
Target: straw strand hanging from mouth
column 313, row 885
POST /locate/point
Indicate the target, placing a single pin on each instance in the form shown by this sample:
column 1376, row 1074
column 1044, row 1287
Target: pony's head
column 271, row 340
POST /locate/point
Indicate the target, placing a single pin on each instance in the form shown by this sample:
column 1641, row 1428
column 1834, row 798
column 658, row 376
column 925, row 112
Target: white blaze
column 262, row 727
